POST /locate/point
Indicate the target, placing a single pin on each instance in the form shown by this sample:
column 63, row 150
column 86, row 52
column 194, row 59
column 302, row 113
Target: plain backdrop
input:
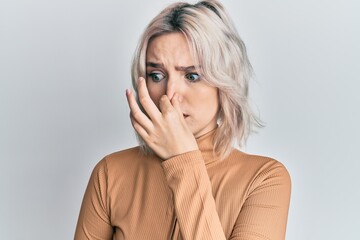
column 64, row 68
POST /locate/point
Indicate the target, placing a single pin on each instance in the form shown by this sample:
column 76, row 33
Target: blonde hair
column 221, row 54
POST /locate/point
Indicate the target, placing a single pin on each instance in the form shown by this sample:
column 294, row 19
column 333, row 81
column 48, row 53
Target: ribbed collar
column 206, row 146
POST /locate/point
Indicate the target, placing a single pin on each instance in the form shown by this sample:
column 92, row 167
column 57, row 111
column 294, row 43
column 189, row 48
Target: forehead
column 168, row 40
column 169, row 47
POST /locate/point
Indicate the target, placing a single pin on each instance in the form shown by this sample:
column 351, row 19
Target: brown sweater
column 190, row 196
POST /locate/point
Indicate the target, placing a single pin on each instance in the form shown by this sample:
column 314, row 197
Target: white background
column 64, row 68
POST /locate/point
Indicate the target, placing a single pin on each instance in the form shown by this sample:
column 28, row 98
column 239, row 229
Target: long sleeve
column 194, row 203
column 263, row 209
column 94, row 220
column 263, row 215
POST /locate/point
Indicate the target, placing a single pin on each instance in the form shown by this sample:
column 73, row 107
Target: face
column 170, row 69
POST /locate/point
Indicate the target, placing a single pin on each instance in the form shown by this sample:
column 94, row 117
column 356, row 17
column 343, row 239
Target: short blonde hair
column 221, row 55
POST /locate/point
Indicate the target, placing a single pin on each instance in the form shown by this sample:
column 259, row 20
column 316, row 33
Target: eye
column 156, row 76
column 193, row 77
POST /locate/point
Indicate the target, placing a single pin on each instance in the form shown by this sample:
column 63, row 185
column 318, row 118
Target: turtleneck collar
column 206, row 145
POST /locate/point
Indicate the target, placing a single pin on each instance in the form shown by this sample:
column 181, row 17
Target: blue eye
column 193, row 77
column 156, row 76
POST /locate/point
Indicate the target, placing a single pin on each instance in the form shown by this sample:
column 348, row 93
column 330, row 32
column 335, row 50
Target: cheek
column 213, row 104
column 210, row 98
column 206, row 102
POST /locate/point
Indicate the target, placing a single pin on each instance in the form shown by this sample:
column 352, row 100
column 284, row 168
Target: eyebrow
column 177, row 68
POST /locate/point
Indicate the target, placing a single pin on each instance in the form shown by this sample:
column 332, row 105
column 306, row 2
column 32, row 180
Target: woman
column 186, row 181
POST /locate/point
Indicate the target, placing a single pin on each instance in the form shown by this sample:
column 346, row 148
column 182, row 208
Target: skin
column 180, row 105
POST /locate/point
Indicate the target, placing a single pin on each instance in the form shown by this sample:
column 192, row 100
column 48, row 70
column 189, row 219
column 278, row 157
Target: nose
column 174, row 85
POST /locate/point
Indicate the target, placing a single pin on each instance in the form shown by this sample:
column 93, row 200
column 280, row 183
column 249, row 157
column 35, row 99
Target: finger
column 138, row 128
column 176, row 104
column 165, row 105
column 136, row 112
column 146, row 101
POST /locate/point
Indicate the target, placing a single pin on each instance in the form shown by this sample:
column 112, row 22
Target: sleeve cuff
column 182, row 162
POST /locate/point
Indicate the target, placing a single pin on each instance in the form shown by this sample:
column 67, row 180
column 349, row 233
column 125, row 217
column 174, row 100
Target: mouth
column 185, row 115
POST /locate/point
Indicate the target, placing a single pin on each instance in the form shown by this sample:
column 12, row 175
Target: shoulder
column 125, row 163
column 115, row 160
column 123, row 156
column 119, row 156
column 259, row 169
column 254, row 162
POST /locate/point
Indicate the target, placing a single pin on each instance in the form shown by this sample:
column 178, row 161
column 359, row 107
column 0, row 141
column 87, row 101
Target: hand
column 164, row 131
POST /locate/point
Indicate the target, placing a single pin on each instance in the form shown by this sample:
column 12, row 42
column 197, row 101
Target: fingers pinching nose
column 176, row 103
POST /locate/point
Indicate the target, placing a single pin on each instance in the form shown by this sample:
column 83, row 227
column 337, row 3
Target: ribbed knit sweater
column 192, row 196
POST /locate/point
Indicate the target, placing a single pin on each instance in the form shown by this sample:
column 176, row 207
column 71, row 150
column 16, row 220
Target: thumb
column 176, row 103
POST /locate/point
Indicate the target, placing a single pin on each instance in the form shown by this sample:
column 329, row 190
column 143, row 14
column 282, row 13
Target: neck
column 206, row 146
